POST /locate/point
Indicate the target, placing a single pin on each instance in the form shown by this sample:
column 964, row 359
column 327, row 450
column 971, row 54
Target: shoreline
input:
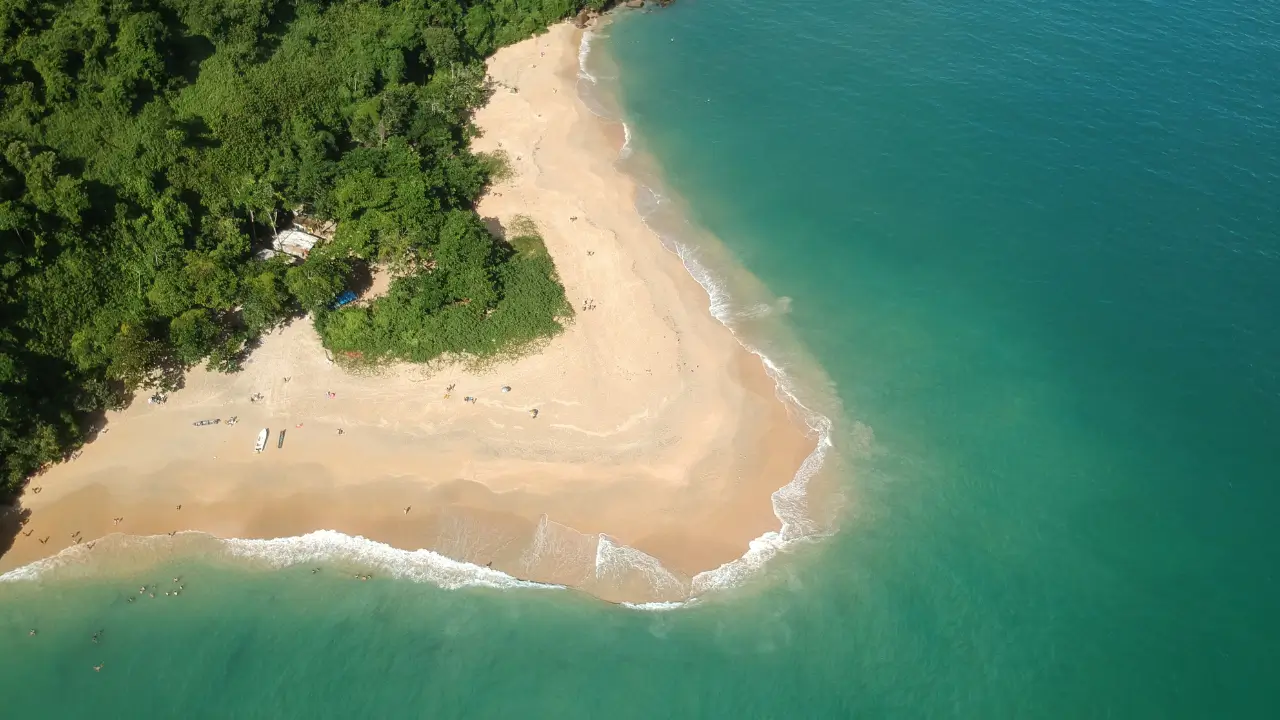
column 634, row 483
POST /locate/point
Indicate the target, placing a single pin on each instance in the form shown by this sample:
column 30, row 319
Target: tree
column 318, row 281
column 266, row 299
column 192, row 334
column 134, row 356
column 148, row 150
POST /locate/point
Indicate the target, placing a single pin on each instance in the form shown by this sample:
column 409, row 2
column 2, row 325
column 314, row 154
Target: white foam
column 625, row 151
column 78, row 558
column 319, row 547
column 35, row 570
column 330, row 546
column 584, row 50
column 614, row 562
column 789, row 501
column 720, row 307
column 532, row 554
column 659, row 606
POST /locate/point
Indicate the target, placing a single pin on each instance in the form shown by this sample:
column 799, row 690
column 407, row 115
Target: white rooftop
column 294, row 242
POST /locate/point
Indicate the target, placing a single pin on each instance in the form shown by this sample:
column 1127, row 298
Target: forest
column 149, row 149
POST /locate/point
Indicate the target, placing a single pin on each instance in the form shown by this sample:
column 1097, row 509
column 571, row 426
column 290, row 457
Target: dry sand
column 655, row 427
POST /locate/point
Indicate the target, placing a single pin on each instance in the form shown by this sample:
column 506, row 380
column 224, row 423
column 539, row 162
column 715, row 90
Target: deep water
column 1036, row 249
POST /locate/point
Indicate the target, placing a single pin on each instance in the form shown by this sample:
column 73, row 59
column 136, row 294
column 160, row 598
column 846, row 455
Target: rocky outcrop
column 585, row 17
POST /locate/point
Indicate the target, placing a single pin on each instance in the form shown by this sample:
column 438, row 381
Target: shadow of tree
column 361, row 278
column 495, row 228
column 12, row 519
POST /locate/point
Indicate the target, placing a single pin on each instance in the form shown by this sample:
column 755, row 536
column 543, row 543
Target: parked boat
column 202, row 423
column 280, row 441
column 262, row 441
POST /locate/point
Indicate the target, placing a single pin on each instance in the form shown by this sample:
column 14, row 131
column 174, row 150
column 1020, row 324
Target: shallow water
column 1034, row 250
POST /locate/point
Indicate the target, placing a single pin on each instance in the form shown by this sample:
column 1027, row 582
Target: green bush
column 150, row 147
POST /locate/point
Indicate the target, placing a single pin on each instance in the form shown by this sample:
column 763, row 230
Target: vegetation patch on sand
column 151, row 149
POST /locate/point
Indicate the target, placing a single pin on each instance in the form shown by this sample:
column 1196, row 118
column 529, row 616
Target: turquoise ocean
column 1025, row 257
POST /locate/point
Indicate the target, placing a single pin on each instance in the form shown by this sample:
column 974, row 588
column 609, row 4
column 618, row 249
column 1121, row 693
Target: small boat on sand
column 262, row 441
column 280, row 441
column 202, row 423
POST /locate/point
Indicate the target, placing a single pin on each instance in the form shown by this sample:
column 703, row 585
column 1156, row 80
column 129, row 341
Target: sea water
column 1025, row 259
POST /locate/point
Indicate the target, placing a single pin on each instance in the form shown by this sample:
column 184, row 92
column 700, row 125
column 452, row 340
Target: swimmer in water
column 32, row 633
column 98, row 668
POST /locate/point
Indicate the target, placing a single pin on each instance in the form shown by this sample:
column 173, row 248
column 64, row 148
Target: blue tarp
column 344, row 298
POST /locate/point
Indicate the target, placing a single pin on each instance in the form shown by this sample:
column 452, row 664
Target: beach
column 637, row 449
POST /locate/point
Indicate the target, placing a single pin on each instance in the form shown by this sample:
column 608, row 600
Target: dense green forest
column 150, row 148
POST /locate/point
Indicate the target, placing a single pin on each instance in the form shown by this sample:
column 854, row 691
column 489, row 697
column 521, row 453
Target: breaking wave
column 322, row 547
column 584, row 51
column 625, row 151
column 619, row 565
column 790, row 502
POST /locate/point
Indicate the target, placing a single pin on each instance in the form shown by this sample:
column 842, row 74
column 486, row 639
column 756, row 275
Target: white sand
column 655, row 427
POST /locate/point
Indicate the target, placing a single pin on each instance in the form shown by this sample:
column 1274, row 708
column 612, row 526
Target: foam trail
column 332, row 546
column 625, row 151
column 790, row 500
column 614, row 562
column 532, row 554
column 584, row 50
column 658, row 606
column 319, row 547
column 39, row 568
column 720, row 307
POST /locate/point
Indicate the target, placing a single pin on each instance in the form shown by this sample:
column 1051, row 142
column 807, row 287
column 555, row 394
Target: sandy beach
column 654, row 426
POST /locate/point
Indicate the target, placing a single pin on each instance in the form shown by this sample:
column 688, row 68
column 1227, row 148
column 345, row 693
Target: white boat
column 262, row 441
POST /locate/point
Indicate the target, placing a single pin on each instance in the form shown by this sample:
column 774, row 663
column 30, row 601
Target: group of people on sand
column 472, row 399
